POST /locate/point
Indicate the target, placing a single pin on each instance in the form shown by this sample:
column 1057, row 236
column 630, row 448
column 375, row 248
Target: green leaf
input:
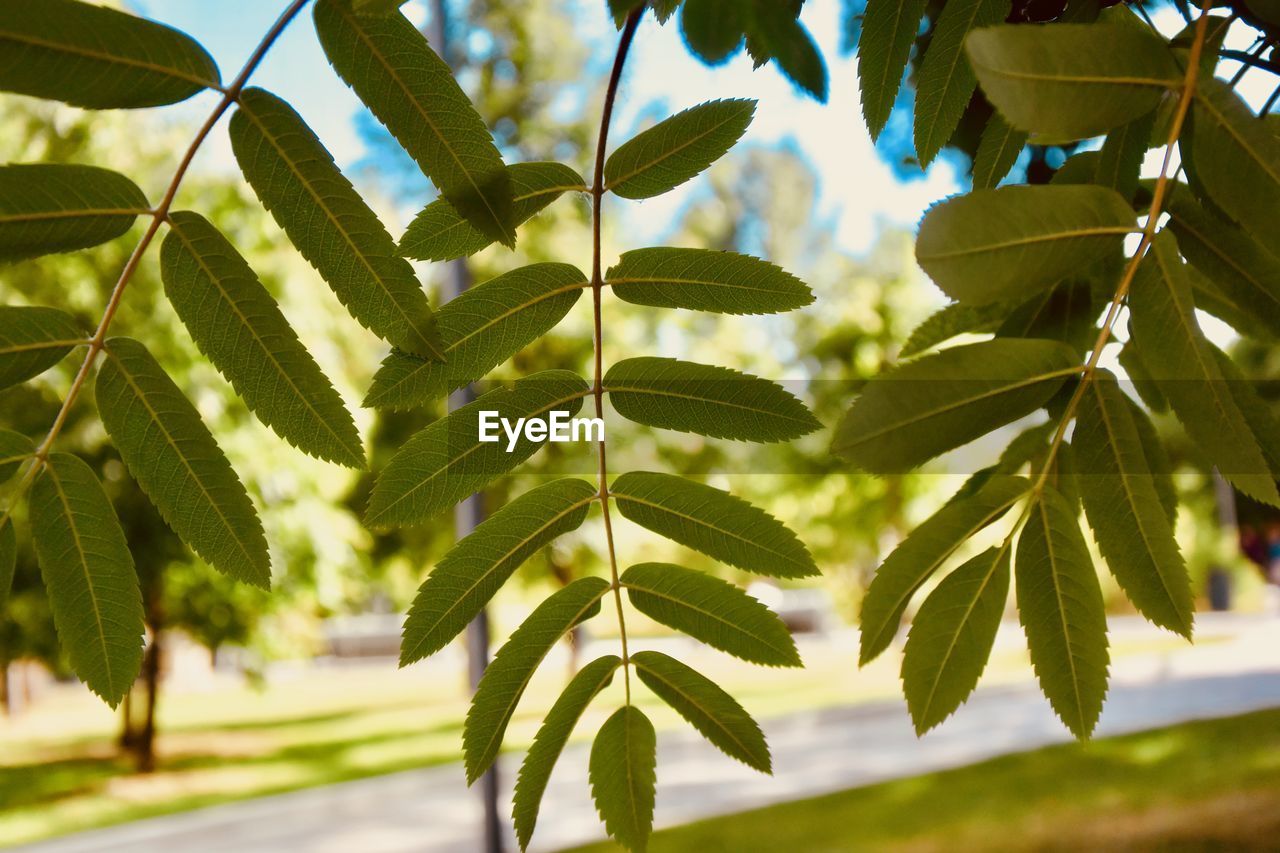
column 32, row 340
column 1257, row 412
column 477, row 567
column 1120, row 160
column 1247, row 275
column 676, row 149
column 623, row 776
column 706, row 706
column 1237, row 159
column 1157, row 460
column 438, row 233
column 448, row 461
column 946, row 81
column 929, row 546
column 480, row 329
column 958, row 318
column 88, row 575
column 712, row 611
column 1001, row 243
column 713, row 29
column 703, row 280
column 297, row 180
column 177, row 462
column 951, row 637
column 14, row 450
column 1124, row 509
column 46, row 208
column 507, row 676
column 376, row 7
column 714, row 522
column 550, row 741
column 1066, row 312
column 621, row 9
column 412, row 92
column 780, row 35
column 889, row 28
column 94, row 57
column 1060, row 605
column 1182, row 364
column 238, row 326
column 1072, row 81
column 939, row 402
column 706, row 400
column 998, row 151
column 1131, row 360
column 8, row 560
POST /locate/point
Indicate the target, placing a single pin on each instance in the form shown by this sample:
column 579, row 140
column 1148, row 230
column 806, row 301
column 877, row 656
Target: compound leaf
column 889, row 28
column 998, row 151
column 713, row 522
column 942, row 401
column 476, row 568
column 622, row 770
column 998, row 244
column 676, row 149
column 958, row 318
column 238, row 326
column 712, row 611
column 705, row 399
column 507, row 676
column 177, row 462
column 480, row 329
column 705, row 280
column 706, row 706
column 99, row 58
column 54, row 207
column 297, row 180
column 412, row 92
column 1120, row 160
column 33, row 339
column 89, row 576
column 713, row 29
column 14, row 450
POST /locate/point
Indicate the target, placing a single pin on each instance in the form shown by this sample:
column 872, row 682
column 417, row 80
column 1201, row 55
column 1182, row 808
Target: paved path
column 431, row 811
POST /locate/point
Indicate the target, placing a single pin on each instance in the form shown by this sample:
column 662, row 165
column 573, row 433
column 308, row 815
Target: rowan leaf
column 929, row 546
column 1060, row 605
column 704, row 280
column 946, row 82
column 99, row 58
column 8, row 559
column 238, row 326
column 889, row 29
column 480, row 329
column 778, row 35
column 296, row 179
column 1257, row 412
column 713, row 29
column 1131, row 360
column 711, row 611
column 706, row 400
column 469, row 575
column 177, row 462
column 676, row 149
column 412, row 92
column 939, row 402
column 48, row 207
column 707, row 707
column 88, row 575
column 998, row 151
column 14, row 450
column 712, row 521
column 951, row 638
column 1066, row 312
column 996, row 244
column 447, row 461
column 622, row 770
column 438, row 233
column 1182, row 364
column 32, row 340
column 1119, row 162
column 1072, row 81
column 535, row 770
column 957, row 318
column 507, row 676
column 1124, row 507
column 1237, row 159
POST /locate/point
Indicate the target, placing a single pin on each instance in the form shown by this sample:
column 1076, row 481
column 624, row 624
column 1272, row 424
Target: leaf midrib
column 615, row 387
column 619, row 180
column 1220, row 119
column 78, row 213
column 693, row 700
column 25, row 38
column 1073, row 234
column 1051, row 555
column 787, row 654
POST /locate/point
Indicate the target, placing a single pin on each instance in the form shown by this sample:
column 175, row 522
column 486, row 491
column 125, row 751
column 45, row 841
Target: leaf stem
column 158, row 216
column 597, row 287
column 1149, row 231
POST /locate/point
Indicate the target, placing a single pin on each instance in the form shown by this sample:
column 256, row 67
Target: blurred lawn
column 1212, row 785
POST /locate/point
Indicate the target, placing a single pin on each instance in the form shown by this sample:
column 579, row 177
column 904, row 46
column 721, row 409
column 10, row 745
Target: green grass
column 1209, row 785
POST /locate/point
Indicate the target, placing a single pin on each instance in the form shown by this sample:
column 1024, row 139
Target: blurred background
column 253, row 707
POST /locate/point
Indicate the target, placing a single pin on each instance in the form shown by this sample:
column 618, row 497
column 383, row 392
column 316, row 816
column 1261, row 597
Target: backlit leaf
column 32, row 340
column 622, row 770
column 14, row 450
column 998, row 151
column 177, row 462
column 889, row 28
column 704, row 280
column 1237, row 159
column 47, row 207
column 713, row 522
column 1120, row 160
column 713, row 29
column 958, row 318
column 8, row 559
column 1131, row 360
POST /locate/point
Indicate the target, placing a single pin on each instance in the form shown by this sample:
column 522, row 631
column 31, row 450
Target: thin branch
column 1253, row 60
column 597, row 287
column 158, row 216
